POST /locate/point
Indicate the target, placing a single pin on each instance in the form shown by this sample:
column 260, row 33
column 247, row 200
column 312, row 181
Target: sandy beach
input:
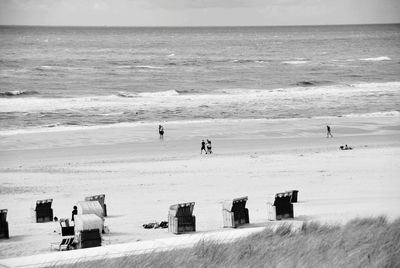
column 142, row 175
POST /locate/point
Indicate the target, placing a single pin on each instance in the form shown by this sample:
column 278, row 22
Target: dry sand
column 142, row 176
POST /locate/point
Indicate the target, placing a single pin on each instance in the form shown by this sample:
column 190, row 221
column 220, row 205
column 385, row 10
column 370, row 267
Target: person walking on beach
column 161, row 131
column 209, row 151
column 328, row 132
column 203, row 147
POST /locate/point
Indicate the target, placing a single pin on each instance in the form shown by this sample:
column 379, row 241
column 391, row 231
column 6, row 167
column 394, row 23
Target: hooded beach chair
column 101, row 199
column 4, row 224
column 43, row 211
column 88, row 228
column 181, row 219
column 67, row 236
column 282, row 208
column 235, row 213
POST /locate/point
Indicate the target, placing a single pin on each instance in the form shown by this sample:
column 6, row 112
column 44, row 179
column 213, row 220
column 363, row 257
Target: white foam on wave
column 125, row 101
column 375, row 114
column 295, row 62
column 382, row 58
column 167, row 93
column 148, row 67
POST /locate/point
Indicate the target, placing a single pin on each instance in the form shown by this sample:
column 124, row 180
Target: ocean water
column 89, row 76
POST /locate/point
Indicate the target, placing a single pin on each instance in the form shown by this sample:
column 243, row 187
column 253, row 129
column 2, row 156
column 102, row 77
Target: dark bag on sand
column 163, row 224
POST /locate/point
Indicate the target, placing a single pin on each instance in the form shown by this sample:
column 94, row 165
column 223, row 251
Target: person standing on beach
column 209, row 151
column 203, row 147
column 161, row 131
column 74, row 212
column 328, row 132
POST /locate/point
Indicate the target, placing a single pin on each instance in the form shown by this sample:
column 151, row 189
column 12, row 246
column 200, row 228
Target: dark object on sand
column 181, row 219
column 151, row 225
column 235, row 213
column 44, row 212
column 345, row 147
column 155, row 225
column 101, row 199
column 4, row 224
column 163, row 224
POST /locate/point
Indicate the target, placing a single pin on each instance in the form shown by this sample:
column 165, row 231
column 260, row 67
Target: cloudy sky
column 197, row 12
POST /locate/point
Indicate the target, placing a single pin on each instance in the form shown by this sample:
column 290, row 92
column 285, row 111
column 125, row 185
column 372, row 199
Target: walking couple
column 203, row 147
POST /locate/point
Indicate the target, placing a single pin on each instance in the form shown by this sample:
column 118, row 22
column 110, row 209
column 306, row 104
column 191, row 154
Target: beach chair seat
column 90, row 238
column 66, row 243
column 66, row 228
column 235, row 213
column 180, row 218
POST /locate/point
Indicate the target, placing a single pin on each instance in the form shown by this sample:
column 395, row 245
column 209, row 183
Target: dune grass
column 362, row 242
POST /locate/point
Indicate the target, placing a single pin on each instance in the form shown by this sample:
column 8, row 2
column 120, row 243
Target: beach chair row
column 234, row 212
column 88, row 225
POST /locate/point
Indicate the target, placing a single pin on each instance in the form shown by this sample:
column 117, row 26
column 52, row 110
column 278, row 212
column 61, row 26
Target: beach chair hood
column 183, row 209
column 230, row 204
column 90, row 207
column 88, row 222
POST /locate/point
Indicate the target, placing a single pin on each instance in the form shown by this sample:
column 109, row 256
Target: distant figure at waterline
column 328, row 132
column 209, row 147
column 161, row 131
column 203, row 147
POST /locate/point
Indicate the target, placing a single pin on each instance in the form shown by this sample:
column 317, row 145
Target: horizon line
column 195, row 26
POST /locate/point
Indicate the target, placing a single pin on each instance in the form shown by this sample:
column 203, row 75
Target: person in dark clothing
column 328, row 132
column 203, row 147
column 74, row 212
column 209, row 151
column 161, row 131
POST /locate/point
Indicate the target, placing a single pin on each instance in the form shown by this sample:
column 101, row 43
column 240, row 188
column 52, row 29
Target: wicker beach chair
column 235, row 213
column 43, row 211
column 181, row 219
column 282, row 208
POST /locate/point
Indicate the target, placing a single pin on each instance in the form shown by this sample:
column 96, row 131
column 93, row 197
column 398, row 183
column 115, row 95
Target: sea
column 58, row 77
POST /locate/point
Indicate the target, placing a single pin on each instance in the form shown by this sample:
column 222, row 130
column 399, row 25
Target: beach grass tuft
column 362, row 242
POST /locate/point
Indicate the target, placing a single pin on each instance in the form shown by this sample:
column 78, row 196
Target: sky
column 197, row 12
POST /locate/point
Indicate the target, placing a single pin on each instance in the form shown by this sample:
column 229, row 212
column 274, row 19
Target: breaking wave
column 14, row 93
column 295, row 62
column 382, row 58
